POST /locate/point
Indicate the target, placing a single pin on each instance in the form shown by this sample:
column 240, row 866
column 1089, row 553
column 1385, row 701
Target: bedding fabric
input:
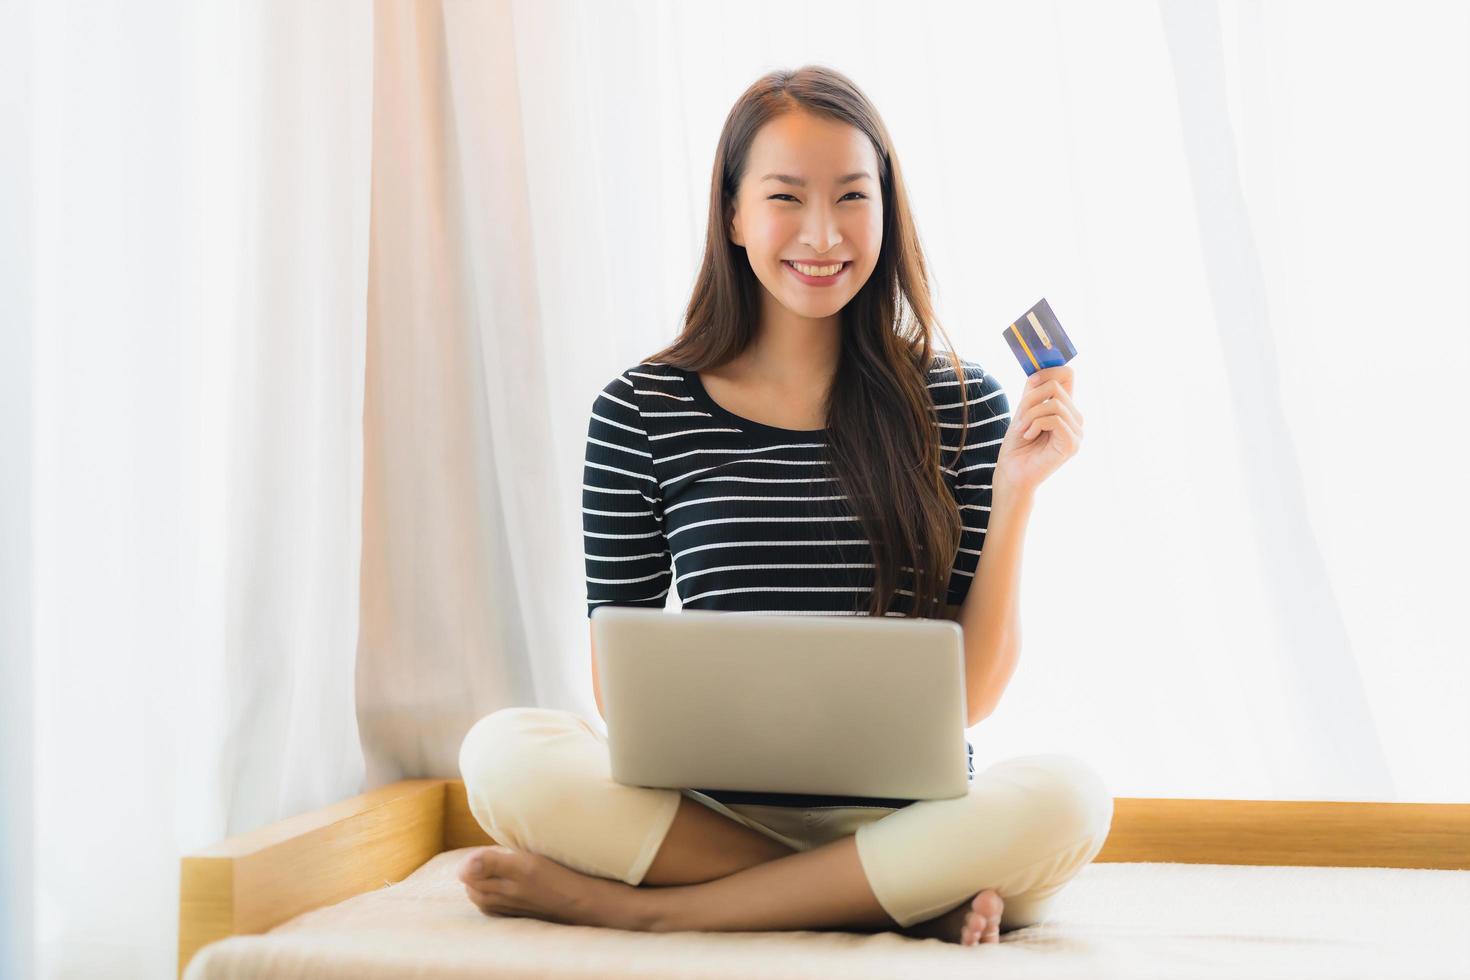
column 1114, row 920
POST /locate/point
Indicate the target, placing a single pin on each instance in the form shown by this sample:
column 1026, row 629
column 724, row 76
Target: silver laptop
column 857, row 706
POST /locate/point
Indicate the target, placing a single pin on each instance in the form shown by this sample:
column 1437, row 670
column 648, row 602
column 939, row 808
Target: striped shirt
column 738, row 516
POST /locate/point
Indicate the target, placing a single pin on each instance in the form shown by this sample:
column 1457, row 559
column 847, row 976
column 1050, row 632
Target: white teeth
column 817, row 270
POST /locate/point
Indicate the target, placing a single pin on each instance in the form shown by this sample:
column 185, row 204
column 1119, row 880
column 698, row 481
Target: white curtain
column 469, row 549
column 197, row 252
column 313, row 301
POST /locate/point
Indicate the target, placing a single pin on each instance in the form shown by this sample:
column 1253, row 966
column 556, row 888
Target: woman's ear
column 732, row 223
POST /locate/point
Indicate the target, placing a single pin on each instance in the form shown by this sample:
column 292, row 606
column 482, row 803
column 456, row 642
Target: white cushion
column 1114, row 920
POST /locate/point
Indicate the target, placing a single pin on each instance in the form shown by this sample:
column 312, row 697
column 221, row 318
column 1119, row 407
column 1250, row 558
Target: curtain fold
column 458, row 472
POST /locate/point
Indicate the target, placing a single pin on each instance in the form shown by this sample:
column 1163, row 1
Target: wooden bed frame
column 255, row 881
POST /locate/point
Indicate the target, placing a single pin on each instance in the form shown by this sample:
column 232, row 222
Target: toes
column 993, row 905
column 484, row 901
column 485, row 864
column 492, row 878
column 974, row 928
column 491, row 899
column 982, row 925
column 472, row 868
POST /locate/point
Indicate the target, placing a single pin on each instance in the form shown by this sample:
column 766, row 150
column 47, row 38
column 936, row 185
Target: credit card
column 1038, row 340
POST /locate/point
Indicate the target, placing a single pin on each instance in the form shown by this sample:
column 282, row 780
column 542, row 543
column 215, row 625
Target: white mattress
column 1114, row 920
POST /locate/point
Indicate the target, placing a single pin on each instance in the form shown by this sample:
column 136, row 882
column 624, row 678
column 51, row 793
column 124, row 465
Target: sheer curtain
column 197, row 252
column 313, row 301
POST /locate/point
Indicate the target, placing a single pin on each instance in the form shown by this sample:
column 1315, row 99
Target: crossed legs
column 534, row 778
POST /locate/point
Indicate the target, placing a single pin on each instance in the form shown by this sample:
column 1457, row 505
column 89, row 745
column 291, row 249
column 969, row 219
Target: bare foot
column 504, row 881
column 969, row 923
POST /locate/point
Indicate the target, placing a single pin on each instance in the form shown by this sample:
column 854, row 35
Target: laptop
column 779, row 706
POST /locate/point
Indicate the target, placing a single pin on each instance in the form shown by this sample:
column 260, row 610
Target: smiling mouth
column 792, row 266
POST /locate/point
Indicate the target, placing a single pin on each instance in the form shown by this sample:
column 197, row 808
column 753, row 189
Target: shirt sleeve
column 626, row 551
column 990, row 413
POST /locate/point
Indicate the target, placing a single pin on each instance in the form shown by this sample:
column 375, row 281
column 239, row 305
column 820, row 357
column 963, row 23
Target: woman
column 799, row 449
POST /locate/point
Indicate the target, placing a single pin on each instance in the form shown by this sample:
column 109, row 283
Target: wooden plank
column 257, row 880
column 460, row 827
column 1290, row 832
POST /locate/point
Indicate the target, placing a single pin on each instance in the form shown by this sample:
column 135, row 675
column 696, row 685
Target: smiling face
column 813, row 210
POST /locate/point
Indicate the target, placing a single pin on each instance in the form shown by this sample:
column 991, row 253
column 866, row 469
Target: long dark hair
column 881, row 432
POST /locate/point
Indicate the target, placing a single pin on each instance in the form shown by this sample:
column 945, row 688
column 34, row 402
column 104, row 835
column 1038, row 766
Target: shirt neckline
column 696, row 385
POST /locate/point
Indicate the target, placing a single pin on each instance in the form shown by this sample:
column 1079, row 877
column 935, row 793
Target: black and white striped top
column 739, row 516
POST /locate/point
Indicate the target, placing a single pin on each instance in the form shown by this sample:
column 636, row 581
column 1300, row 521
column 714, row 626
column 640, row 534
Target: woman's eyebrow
column 787, row 179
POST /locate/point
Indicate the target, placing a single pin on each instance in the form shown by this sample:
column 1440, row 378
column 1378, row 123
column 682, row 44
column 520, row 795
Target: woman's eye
column 774, row 196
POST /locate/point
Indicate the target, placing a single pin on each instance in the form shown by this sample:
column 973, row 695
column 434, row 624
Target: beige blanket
column 1169, row 921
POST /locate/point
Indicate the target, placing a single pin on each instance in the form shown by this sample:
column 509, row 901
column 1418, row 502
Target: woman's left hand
column 1045, row 432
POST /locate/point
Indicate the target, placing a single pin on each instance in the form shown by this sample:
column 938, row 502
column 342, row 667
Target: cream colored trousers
column 539, row 780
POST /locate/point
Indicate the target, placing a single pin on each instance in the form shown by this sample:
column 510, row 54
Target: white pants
column 539, row 780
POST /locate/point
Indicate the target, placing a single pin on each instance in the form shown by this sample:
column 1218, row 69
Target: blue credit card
column 1038, row 340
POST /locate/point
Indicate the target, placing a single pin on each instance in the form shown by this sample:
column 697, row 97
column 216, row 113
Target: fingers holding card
column 1046, row 429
